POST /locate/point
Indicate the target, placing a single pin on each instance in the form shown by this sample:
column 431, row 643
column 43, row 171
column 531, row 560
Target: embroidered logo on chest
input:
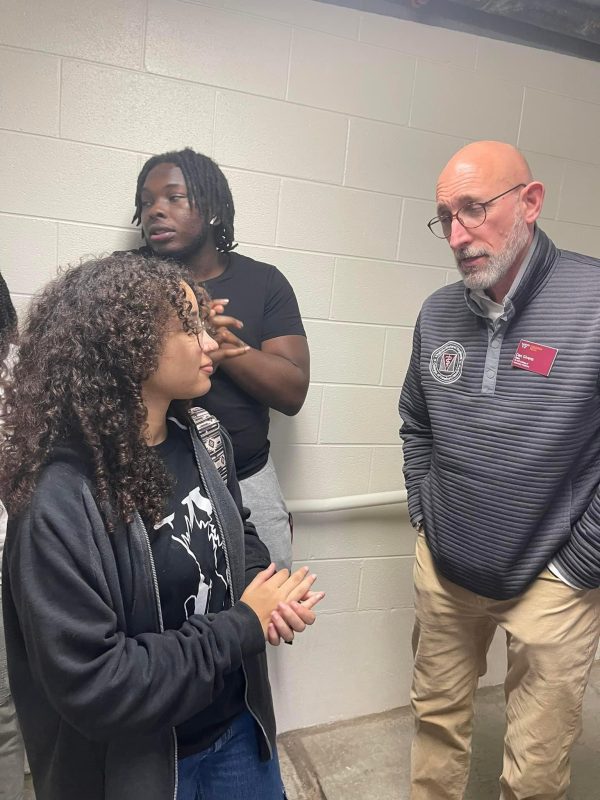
column 446, row 363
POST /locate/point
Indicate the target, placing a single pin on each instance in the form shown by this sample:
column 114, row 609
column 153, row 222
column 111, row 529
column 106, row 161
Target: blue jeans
column 230, row 768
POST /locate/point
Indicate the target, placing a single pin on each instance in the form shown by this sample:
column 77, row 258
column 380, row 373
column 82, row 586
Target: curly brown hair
column 90, row 339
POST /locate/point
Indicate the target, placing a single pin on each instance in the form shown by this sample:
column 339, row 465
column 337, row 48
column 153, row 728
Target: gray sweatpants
column 261, row 493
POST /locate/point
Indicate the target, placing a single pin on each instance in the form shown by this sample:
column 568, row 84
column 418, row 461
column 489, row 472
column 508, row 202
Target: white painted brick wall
column 359, row 79
column 332, row 125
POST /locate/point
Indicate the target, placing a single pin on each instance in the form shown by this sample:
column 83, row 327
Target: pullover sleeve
column 415, row 431
column 65, row 590
column 579, row 559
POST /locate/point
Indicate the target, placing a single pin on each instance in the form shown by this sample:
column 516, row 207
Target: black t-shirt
column 264, row 300
column 191, row 570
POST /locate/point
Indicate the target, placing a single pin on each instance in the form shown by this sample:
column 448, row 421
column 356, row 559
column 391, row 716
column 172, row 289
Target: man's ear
column 533, row 200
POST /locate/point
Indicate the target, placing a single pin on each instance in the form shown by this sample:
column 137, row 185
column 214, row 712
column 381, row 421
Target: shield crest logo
column 446, row 363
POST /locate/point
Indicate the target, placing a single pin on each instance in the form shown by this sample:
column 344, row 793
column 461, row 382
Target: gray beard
column 497, row 265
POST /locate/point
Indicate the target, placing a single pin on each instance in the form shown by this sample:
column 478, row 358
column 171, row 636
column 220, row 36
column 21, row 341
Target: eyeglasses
column 471, row 215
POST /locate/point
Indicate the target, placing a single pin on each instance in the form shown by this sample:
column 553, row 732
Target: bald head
column 487, row 204
column 492, row 163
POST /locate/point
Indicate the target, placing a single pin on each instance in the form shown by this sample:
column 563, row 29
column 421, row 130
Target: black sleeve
column 256, row 553
column 102, row 681
column 281, row 314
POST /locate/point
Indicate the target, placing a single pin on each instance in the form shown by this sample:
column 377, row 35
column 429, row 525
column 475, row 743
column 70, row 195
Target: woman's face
column 184, row 367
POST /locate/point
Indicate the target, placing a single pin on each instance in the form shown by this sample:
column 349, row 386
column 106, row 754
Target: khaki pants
column 552, row 634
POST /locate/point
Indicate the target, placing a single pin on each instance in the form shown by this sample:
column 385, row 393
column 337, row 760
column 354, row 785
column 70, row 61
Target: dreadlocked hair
column 91, row 338
column 207, row 188
column 8, row 321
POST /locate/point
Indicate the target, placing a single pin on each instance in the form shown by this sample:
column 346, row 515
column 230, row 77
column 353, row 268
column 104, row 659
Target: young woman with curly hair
column 138, row 597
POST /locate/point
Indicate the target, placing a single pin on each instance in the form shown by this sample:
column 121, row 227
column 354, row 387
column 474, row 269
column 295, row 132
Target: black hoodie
column 97, row 685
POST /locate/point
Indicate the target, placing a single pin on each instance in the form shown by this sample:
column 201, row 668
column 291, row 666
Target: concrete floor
column 368, row 758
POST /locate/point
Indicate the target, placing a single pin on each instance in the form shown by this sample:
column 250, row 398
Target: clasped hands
column 282, row 602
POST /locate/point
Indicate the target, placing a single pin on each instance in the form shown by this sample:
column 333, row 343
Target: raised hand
column 230, row 346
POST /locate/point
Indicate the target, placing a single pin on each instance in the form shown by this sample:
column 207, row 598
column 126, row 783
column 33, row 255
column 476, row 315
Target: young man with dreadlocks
column 12, row 753
column 184, row 205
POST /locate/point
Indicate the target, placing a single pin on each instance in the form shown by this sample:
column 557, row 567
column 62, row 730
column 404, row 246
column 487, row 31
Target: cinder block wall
column 332, row 125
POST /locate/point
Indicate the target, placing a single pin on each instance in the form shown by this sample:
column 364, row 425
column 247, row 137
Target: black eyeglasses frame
column 452, row 217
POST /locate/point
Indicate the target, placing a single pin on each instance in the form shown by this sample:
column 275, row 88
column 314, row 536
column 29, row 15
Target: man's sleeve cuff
column 555, row 570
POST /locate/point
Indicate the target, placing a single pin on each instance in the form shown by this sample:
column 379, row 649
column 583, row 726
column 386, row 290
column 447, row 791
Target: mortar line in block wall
column 384, row 354
column 407, row 326
column 213, row 138
column 110, row 147
column 277, row 216
column 371, row 460
column 282, row 249
column 400, row 224
column 289, row 65
column 321, row 414
column 346, row 151
column 57, row 246
column 360, row 586
column 521, row 113
column 60, row 88
column 412, row 92
column 560, row 192
column 363, row 559
column 61, row 221
column 144, row 38
column 38, row 218
column 341, row 445
column 381, row 260
column 331, row 298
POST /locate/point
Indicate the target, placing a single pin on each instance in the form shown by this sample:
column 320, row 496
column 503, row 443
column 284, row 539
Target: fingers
column 272, row 635
column 294, row 586
column 297, row 586
column 220, row 321
column 309, row 601
column 262, row 577
column 223, row 353
column 284, row 630
column 233, row 352
column 287, row 582
column 295, row 616
column 280, row 577
column 225, row 337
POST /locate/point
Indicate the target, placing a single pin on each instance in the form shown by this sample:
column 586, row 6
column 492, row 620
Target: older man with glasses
column 501, row 431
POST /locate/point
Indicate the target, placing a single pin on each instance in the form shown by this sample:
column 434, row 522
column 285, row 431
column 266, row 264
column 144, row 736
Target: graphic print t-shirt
column 191, row 569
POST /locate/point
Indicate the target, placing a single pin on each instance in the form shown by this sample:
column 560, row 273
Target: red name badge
column 534, row 357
